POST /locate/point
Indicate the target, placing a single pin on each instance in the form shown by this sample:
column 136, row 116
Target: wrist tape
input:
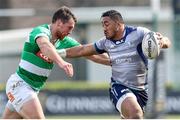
column 62, row 52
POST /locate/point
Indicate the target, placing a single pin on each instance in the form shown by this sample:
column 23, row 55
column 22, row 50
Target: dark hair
column 114, row 15
column 65, row 14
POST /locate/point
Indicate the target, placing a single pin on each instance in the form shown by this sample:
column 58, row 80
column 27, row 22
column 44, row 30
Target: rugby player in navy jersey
column 128, row 90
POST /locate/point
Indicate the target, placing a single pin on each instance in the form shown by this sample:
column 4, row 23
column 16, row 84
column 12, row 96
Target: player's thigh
column 32, row 109
column 9, row 114
column 131, row 109
column 125, row 101
column 23, row 98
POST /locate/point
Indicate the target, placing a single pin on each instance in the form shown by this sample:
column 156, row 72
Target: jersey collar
column 122, row 40
column 127, row 31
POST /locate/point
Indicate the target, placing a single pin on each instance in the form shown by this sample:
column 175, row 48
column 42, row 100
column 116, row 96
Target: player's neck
column 53, row 34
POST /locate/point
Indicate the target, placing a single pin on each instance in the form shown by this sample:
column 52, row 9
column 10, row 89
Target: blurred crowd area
column 44, row 9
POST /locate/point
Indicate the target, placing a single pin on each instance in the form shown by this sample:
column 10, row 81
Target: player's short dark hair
column 114, row 15
column 63, row 13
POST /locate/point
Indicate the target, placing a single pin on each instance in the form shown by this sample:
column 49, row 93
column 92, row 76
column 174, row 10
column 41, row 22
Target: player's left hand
column 68, row 68
column 160, row 38
column 163, row 41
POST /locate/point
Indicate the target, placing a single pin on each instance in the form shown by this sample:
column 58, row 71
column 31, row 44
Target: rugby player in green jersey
column 39, row 53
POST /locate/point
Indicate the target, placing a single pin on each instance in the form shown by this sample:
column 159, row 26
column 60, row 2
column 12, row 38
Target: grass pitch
column 106, row 117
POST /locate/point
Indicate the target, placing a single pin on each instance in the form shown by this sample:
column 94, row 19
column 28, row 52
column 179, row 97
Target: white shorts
column 18, row 92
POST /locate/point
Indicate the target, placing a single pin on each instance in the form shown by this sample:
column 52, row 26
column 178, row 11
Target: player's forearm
column 78, row 51
column 101, row 59
column 48, row 50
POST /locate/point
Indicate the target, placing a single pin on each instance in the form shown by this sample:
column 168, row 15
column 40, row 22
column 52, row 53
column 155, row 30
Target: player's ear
column 120, row 25
column 117, row 26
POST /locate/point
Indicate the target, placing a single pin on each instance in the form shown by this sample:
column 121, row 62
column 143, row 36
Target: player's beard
column 60, row 35
column 112, row 35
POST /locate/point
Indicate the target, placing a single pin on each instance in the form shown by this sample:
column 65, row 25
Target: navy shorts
column 118, row 91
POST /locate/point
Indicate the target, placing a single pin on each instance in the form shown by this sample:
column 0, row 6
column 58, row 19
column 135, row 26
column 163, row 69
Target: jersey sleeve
column 100, row 46
column 38, row 32
column 67, row 42
column 141, row 32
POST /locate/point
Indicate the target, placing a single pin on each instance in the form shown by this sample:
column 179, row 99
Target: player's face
column 65, row 29
column 110, row 27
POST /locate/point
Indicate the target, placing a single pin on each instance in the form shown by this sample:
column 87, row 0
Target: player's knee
column 37, row 117
column 133, row 113
column 136, row 114
column 34, row 116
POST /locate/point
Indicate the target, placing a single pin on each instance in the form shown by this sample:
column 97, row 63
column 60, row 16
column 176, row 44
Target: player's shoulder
column 67, row 42
column 136, row 28
column 69, row 39
column 41, row 28
column 143, row 29
column 102, row 40
column 130, row 28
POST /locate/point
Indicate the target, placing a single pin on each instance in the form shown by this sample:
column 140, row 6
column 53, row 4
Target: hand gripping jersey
column 34, row 68
column 129, row 66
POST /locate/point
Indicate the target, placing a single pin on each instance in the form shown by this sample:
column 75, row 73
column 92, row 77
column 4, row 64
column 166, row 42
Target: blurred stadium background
column 86, row 94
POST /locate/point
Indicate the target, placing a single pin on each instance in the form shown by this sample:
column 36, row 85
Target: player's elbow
column 44, row 47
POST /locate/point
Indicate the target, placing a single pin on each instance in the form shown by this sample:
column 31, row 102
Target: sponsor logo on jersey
column 39, row 54
column 119, row 42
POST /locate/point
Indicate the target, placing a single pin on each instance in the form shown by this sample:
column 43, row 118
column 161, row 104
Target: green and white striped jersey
column 33, row 69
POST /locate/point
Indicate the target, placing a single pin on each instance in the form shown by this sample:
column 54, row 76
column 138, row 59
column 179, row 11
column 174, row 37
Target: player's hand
column 163, row 41
column 160, row 38
column 68, row 68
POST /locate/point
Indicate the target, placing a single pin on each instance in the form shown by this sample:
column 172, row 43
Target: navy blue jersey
column 129, row 66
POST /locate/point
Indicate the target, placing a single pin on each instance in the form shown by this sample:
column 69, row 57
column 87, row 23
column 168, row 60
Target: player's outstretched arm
column 101, row 59
column 49, row 50
column 78, row 51
column 87, row 51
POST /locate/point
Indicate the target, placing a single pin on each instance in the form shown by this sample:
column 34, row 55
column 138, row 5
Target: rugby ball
column 150, row 45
